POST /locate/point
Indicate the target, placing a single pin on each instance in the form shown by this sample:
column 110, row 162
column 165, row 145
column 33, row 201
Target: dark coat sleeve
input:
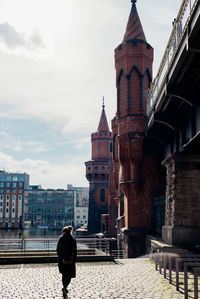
column 62, row 248
column 74, row 249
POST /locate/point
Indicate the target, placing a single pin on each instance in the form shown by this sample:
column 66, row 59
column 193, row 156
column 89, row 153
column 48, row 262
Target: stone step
column 43, row 253
column 29, row 257
column 51, row 259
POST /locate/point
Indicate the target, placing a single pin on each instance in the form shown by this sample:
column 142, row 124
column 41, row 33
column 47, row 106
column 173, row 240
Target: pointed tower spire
column 134, row 28
column 103, row 124
column 103, row 106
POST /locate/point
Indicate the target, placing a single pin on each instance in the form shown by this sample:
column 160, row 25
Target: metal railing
column 182, row 269
column 179, row 28
column 49, row 244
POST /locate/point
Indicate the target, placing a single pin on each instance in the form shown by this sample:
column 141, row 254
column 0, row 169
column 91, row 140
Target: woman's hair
column 67, row 229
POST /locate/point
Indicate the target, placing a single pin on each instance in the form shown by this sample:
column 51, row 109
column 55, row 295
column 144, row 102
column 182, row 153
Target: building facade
column 80, row 216
column 98, row 174
column 50, row 208
column 12, row 198
column 81, row 205
column 82, row 195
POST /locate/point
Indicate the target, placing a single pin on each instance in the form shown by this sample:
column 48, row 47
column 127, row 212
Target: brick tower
column 133, row 62
column 97, row 173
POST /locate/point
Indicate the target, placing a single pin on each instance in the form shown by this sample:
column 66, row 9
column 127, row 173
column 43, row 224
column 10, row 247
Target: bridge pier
column 182, row 221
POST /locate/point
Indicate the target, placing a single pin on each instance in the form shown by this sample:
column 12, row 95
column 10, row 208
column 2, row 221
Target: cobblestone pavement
column 133, row 278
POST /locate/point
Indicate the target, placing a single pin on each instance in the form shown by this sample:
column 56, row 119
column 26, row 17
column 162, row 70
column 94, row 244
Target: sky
column 56, row 64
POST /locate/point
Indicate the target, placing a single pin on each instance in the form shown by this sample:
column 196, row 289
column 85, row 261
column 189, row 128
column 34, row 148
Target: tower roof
column 134, row 28
column 103, row 124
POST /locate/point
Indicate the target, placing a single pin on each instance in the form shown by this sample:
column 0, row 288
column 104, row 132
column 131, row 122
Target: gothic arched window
column 102, row 195
column 111, row 147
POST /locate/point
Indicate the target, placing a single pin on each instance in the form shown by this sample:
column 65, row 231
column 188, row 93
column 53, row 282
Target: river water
column 29, row 233
column 30, row 239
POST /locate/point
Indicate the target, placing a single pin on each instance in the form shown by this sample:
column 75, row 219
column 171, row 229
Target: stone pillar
column 182, row 221
column 133, row 241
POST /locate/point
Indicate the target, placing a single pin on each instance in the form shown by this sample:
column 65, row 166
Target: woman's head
column 67, row 229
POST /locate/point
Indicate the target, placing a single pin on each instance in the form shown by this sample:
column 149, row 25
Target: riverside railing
column 179, row 28
column 49, row 244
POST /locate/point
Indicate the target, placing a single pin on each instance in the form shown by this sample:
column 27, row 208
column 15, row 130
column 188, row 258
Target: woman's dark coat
column 66, row 247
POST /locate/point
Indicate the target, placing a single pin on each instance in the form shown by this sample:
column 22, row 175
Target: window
column 20, row 185
column 8, row 184
column 102, row 167
column 1, row 210
column 102, row 195
column 21, row 178
column 7, row 211
column 14, row 185
column 20, row 197
column 8, row 178
column 7, row 203
column 14, row 197
column 2, row 178
column 15, row 178
column 1, row 203
column 1, row 197
column 96, row 168
column 111, row 147
column 13, row 210
column 8, row 191
column 89, row 168
column 84, row 216
column 1, row 184
column 78, row 217
column 7, row 197
column 1, row 191
column 14, row 190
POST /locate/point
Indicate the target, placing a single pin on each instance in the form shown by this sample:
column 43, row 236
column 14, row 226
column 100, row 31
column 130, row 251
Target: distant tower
column 97, row 173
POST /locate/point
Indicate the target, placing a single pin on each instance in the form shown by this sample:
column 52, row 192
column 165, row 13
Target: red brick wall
column 129, row 166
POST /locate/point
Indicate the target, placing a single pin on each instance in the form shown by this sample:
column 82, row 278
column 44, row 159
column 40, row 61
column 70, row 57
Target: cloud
column 56, row 94
column 45, row 173
column 11, row 164
column 36, row 147
column 3, row 134
column 13, row 38
column 80, row 142
column 35, row 40
column 10, row 143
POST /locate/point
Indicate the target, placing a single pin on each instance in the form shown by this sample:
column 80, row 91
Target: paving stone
column 130, row 278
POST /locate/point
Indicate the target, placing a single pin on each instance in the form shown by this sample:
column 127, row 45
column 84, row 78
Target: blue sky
column 57, row 62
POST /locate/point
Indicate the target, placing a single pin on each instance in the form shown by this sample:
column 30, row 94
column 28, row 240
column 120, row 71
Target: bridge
column 173, row 109
column 174, row 101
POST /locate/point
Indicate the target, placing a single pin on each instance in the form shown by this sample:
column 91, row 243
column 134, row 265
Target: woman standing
column 67, row 252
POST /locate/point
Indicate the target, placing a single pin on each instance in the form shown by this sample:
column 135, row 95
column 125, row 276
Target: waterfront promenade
column 133, row 278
